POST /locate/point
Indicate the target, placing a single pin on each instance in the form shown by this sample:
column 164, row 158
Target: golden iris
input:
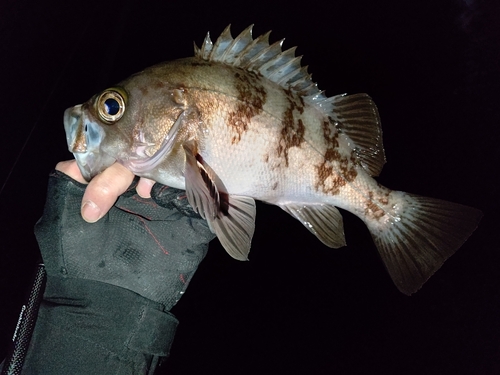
column 110, row 105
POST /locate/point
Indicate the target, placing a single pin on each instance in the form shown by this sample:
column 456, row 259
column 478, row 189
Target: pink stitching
column 154, row 237
column 132, row 212
column 144, row 200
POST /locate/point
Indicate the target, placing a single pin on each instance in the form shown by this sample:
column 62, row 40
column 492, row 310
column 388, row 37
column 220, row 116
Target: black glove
column 110, row 284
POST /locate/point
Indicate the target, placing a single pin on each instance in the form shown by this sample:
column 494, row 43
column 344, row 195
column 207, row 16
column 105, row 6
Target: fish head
column 131, row 123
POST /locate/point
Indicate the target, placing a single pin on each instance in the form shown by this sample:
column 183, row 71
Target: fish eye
column 110, row 105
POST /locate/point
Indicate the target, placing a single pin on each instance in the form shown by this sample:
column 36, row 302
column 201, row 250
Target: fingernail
column 90, row 212
column 144, row 188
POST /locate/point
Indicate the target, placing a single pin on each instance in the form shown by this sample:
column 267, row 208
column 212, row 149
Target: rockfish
column 242, row 120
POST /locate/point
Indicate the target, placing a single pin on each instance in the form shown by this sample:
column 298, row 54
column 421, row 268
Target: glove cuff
column 101, row 324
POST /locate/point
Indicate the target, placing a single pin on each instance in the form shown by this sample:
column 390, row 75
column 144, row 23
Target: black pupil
column 112, row 106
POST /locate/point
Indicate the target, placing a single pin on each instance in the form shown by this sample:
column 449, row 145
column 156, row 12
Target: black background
column 297, row 306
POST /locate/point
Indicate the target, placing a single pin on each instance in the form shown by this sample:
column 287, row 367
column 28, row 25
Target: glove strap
column 109, row 329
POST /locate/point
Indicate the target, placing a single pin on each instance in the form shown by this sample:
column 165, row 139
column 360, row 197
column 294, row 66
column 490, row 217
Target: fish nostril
column 85, row 128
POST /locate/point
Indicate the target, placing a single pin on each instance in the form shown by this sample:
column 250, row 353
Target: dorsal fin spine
column 302, row 75
column 220, row 46
column 307, row 90
column 278, row 63
column 197, row 51
column 290, row 70
column 265, row 55
column 279, row 60
column 238, row 45
column 257, row 45
column 206, row 47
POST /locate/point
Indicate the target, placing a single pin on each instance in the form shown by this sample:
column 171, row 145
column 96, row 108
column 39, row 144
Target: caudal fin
column 422, row 233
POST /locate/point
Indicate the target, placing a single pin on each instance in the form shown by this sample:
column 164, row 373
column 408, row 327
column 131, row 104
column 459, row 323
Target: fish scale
column 241, row 121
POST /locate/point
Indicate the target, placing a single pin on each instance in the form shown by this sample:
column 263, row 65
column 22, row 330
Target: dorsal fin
column 281, row 67
column 355, row 115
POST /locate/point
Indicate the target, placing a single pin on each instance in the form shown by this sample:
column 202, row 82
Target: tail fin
column 420, row 236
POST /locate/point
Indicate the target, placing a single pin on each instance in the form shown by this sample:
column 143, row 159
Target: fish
column 243, row 120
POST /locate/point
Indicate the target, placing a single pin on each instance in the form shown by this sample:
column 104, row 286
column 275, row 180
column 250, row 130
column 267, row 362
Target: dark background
column 297, row 307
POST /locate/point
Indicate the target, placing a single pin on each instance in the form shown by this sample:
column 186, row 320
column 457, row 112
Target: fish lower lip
column 91, row 164
column 86, row 172
column 84, row 162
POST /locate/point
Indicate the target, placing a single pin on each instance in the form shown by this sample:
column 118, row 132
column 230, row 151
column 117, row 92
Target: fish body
column 242, row 121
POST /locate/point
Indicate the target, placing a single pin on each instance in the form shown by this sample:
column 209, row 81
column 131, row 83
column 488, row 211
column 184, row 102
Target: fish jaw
column 84, row 138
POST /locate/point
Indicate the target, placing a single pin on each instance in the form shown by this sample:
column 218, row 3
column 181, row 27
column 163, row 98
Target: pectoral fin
column 324, row 221
column 230, row 217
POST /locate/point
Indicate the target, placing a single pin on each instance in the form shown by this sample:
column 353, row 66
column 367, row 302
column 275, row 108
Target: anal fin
column 324, row 221
column 230, row 217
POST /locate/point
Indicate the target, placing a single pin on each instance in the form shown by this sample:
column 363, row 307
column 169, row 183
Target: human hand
column 110, row 284
column 164, row 232
column 105, row 188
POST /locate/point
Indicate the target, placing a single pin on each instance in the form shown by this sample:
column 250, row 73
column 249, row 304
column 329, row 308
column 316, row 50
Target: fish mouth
column 85, row 140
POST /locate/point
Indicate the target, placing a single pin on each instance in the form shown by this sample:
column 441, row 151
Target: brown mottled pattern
column 296, row 101
column 251, row 100
column 376, row 198
column 373, row 210
column 292, row 133
column 329, row 181
column 158, row 84
column 200, row 63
